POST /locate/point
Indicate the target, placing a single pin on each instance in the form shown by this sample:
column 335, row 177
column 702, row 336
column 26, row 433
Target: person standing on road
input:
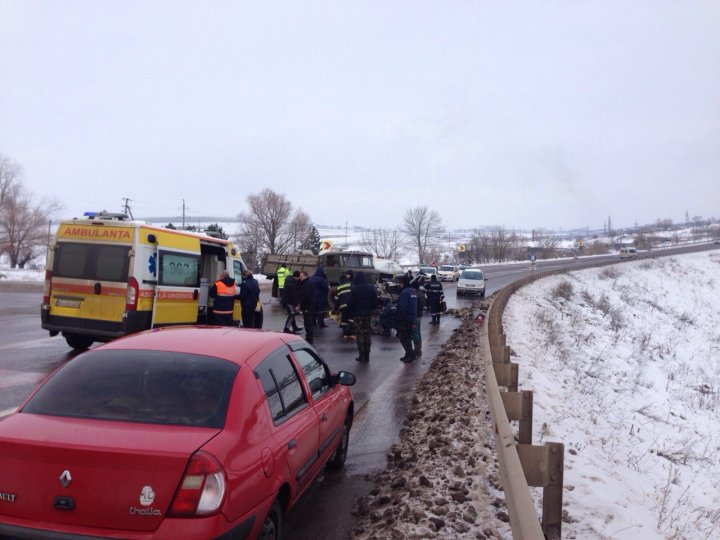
column 306, row 298
column 342, row 292
column 416, row 333
column 291, row 301
column 434, row 296
column 321, row 288
column 249, row 299
column 223, row 293
column 362, row 300
column 281, row 275
column 406, row 317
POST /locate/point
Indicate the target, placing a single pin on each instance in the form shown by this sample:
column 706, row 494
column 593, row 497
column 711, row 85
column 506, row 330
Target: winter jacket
column 321, row 288
column 249, row 293
column 407, row 305
column 362, row 299
column 223, row 293
column 342, row 292
column 434, row 291
column 421, row 300
column 290, row 291
column 306, row 295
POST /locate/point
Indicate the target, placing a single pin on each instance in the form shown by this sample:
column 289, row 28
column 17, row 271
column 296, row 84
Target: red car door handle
column 323, row 418
column 292, row 444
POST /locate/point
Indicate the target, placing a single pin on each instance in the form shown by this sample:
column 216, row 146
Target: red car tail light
column 47, row 287
column 131, row 296
column 202, row 489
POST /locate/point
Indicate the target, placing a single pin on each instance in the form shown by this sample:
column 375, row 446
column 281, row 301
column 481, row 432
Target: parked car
column 428, row 270
column 173, row 433
column 472, row 281
column 448, row 272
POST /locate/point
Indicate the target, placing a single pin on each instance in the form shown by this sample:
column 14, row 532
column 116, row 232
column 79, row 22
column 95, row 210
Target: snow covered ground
column 624, row 362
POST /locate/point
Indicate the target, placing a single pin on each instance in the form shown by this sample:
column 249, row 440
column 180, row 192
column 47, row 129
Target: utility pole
column 183, row 214
column 126, row 208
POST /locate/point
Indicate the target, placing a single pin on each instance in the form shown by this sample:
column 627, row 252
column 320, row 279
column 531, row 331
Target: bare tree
column 385, row 243
column 423, row 227
column 479, row 247
column 10, row 178
column 548, row 244
column 270, row 221
column 500, row 243
column 23, row 224
column 299, row 228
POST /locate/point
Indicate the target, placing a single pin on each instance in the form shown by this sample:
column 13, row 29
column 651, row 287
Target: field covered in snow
column 624, row 362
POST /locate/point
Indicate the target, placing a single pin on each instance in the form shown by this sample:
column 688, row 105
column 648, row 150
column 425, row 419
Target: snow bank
column 625, row 365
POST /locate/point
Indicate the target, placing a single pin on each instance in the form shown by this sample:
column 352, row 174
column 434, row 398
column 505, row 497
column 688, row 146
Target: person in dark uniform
column 361, row 302
column 306, row 298
column 223, row 292
column 406, row 317
column 291, row 301
column 434, row 297
column 249, row 299
column 342, row 292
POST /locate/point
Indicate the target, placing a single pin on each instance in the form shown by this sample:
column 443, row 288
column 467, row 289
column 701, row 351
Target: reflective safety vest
column 282, row 273
column 341, row 293
column 225, row 297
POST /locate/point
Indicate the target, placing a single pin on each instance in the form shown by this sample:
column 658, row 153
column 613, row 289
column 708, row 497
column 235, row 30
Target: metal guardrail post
column 521, row 507
column 519, row 406
column 543, row 467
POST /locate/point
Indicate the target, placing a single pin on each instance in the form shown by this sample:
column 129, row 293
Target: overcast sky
column 522, row 114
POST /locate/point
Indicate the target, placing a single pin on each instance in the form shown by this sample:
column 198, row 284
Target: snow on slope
column 624, row 362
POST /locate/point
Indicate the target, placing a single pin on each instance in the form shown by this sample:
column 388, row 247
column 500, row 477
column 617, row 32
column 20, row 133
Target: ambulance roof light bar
column 105, row 215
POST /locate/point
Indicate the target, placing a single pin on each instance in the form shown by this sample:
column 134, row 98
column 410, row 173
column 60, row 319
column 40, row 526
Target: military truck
column 334, row 263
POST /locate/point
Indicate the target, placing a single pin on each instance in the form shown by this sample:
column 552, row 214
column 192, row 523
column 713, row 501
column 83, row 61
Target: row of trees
column 271, row 225
column 24, row 219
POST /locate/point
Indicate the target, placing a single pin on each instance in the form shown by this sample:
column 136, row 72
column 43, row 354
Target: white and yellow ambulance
column 107, row 277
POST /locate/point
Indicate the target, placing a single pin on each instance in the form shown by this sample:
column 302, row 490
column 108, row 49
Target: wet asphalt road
column 381, row 394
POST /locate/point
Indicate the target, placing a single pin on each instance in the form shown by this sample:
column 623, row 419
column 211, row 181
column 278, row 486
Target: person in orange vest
column 223, row 292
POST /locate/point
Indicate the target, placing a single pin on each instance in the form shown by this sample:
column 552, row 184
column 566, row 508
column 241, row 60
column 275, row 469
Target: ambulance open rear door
column 177, row 292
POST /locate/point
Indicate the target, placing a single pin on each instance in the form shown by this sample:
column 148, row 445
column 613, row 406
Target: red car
column 173, row 433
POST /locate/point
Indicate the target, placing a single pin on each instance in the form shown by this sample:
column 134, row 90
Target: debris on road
column 442, row 480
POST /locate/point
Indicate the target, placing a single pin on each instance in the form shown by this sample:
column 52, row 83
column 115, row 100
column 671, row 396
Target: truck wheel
column 78, row 341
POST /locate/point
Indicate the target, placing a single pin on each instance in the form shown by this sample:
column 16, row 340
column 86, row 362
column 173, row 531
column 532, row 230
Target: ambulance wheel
column 78, row 341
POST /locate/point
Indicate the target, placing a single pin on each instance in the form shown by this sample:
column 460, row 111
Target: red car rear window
column 153, row 387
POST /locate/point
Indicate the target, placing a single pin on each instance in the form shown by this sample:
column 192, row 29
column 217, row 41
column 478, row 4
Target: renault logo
column 65, row 478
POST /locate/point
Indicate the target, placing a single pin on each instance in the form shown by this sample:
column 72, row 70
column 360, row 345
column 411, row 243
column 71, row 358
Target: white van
column 472, row 281
column 628, row 252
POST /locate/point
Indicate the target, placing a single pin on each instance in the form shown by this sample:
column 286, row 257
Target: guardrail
column 522, row 464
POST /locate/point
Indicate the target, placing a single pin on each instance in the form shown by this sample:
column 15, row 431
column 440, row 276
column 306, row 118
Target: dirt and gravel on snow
column 442, row 480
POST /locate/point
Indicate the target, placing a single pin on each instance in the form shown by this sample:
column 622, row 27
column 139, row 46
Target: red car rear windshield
column 153, row 387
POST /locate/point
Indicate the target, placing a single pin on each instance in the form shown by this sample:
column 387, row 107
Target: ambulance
column 107, row 276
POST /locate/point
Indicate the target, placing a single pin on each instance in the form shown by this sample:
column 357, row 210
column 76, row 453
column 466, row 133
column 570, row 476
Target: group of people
column 224, row 292
column 354, row 300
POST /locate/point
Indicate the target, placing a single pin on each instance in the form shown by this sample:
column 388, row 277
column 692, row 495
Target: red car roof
column 230, row 343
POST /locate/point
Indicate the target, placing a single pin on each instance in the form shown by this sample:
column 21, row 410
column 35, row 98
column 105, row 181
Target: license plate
column 66, row 302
